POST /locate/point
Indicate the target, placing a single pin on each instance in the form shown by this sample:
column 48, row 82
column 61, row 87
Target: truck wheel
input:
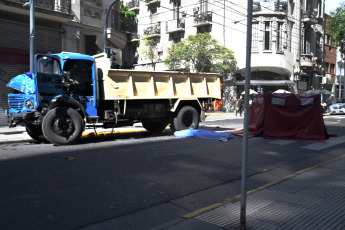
column 154, row 125
column 62, row 126
column 35, row 132
column 186, row 118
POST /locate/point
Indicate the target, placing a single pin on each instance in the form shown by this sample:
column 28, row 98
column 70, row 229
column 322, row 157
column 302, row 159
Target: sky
column 332, row 5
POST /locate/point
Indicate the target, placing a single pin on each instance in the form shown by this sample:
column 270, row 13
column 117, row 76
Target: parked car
column 338, row 107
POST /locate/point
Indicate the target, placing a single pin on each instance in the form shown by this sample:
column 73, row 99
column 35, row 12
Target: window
column 176, row 10
column 289, row 36
column 327, row 39
column 48, row 65
column 326, row 67
column 332, row 68
column 255, row 35
column 203, row 6
column 306, row 43
column 280, row 36
column 153, row 16
column 267, row 36
column 93, row 2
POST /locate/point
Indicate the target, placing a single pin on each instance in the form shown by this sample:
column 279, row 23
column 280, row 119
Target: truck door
column 48, row 78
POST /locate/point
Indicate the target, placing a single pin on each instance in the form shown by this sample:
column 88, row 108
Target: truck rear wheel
column 186, row 118
column 154, row 125
column 62, row 126
column 35, row 132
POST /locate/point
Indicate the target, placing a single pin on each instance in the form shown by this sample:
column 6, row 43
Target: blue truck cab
column 63, row 83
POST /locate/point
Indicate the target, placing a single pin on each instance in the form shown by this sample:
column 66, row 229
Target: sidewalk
column 309, row 199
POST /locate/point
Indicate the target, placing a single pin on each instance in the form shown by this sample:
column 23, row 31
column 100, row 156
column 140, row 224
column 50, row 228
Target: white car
column 338, row 107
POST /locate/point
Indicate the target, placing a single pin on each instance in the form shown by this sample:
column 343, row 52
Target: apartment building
column 329, row 80
column 287, row 37
column 59, row 26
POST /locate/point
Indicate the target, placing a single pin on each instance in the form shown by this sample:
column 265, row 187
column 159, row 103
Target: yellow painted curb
column 213, row 206
column 216, row 115
column 95, row 134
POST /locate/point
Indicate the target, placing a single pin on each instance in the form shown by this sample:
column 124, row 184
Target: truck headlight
column 29, row 104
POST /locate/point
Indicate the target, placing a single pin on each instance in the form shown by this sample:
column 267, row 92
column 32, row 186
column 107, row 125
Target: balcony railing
column 153, row 30
column 175, row 26
column 203, row 18
column 63, row 6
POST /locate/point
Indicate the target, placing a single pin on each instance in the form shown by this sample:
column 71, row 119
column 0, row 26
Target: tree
column 337, row 24
column 202, row 53
column 148, row 50
column 127, row 16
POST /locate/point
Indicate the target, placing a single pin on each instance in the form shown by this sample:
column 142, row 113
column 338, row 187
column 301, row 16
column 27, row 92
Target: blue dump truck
column 69, row 92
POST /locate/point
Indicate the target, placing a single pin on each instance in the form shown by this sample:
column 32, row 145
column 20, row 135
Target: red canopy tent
column 287, row 116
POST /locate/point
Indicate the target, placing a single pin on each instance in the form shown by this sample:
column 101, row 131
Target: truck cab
column 64, row 81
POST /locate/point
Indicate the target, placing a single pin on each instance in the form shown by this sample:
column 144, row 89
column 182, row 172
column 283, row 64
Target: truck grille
column 16, row 101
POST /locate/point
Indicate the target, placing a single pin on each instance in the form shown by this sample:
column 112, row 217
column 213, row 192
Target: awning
column 267, row 83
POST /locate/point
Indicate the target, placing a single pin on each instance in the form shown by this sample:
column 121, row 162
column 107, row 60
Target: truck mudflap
column 202, row 116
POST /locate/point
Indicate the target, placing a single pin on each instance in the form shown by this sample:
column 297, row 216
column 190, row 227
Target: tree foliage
column 201, row 53
column 127, row 16
column 148, row 50
column 337, row 24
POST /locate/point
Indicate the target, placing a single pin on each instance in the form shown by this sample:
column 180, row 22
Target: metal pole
column 32, row 35
column 342, row 55
column 106, row 26
column 341, row 65
column 246, row 117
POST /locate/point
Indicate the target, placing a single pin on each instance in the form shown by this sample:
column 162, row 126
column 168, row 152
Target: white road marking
column 327, row 144
column 282, row 142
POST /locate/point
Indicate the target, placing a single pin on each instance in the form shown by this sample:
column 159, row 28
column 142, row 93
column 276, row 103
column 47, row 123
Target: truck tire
column 186, row 118
column 154, row 125
column 62, row 126
column 35, row 132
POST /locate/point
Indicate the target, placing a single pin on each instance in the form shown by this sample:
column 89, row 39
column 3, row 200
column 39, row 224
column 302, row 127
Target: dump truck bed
column 133, row 84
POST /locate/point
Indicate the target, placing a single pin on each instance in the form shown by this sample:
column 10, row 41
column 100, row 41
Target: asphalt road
column 140, row 180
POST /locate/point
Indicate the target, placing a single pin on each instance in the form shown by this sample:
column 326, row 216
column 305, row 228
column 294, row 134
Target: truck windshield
column 48, row 65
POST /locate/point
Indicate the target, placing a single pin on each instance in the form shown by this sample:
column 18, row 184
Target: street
column 142, row 180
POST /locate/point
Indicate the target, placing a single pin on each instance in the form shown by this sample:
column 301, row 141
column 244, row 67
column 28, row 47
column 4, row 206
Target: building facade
column 329, row 80
column 59, row 26
column 287, row 39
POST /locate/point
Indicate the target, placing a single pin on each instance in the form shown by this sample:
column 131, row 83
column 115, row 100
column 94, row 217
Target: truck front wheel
column 186, row 118
column 154, row 125
column 62, row 126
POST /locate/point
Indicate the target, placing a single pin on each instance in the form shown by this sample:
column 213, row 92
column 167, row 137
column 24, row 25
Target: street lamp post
column 31, row 4
column 106, row 26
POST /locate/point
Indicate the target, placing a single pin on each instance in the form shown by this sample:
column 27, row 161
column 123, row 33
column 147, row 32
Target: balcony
column 152, row 2
column 134, row 38
column 46, row 9
column 309, row 16
column 203, row 19
column 269, row 7
column 133, row 6
column 115, row 30
column 307, row 60
column 153, row 31
column 175, row 26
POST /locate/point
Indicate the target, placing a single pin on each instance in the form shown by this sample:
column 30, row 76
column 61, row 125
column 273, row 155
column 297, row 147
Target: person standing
column 239, row 105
